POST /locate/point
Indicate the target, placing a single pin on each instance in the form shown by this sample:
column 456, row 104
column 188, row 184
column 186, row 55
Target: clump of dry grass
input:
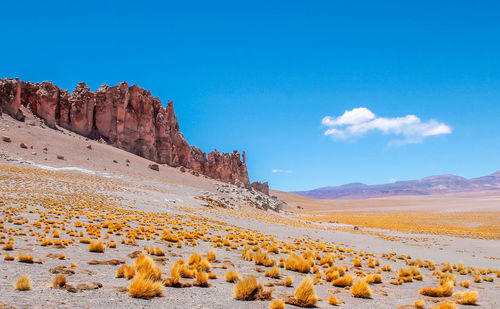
column 361, row 289
column 232, row 276
column 23, row 283
column 344, row 281
column 356, row 262
column 249, row 289
column 297, row 263
column 145, row 265
column 23, row 258
column 277, row 304
column 446, row 305
column 288, row 281
column 467, row 297
column 144, row 287
column 9, row 257
column 59, row 282
column 465, row 284
column 373, row 278
column 444, row 290
column 211, row 256
column 194, row 259
column 186, row 271
column 334, row 301
column 201, row 279
column 97, row 246
column 273, row 273
column 305, row 295
column 332, row 275
column 419, row 304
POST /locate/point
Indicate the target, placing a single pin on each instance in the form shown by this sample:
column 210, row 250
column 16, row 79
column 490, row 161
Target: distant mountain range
column 439, row 184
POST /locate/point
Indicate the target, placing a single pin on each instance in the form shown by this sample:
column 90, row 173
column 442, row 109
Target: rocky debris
column 127, row 117
column 251, row 197
column 60, row 157
column 261, row 186
column 154, row 167
column 113, row 262
column 182, row 169
column 23, row 146
column 114, row 161
column 89, row 146
column 213, row 200
column 6, row 139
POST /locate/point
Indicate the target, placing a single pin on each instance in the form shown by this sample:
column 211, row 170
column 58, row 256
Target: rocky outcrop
column 127, row 117
column 261, row 186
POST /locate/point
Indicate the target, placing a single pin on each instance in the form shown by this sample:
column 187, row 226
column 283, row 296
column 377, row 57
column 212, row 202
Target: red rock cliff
column 129, row 118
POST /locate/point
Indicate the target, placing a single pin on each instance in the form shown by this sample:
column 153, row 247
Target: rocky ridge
column 127, row 117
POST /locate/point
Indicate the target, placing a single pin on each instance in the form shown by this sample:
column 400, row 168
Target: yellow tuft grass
column 467, row 297
column 9, row 257
column 446, row 305
column 288, row 281
column 211, row 256
column 273, row 273
column 23, row 283
column 419, row 304
column 361, row 289
column 59, row 281
column 145, row 265
column 297, row 263
column 305, row 295
column 202, row 279
column 332, row 300
column 373, row 278
column 194, row 259
column 357, row 262
column 343, row 281
column 144, row 287
column 246, row 289
column 96, row 246
column 186, row 271
column 23, row 258
column 232, row 276
column 465, row 284
column 444, row 290
column 277, row 304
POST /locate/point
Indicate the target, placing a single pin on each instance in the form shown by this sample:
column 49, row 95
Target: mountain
column 439, row 184
column 127, row 117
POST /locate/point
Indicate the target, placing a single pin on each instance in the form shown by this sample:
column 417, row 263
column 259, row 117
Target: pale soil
column 171, row 192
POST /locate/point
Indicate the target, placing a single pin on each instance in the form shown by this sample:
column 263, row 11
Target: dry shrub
column 59, row 281
column 249, row 289
column 204, row 265
column 201, row 279
column 186, row 272
column 232, row 276
column 145, row 265
column 446, row 305
column 194, row 259
column 277, row 304
column 444, row 290
column 211, row 256
column 344, row 281
column 305, row 295
column 144, row 287
column 332, row 275
column 373, row 278
column 273, row 273
column 467, row 297
column 419, row 304
column 465, row 284
column 23, row 258
column 356, row 262
column 73, row 265
column 288, row 281
column 261, row 258
column 361, row 289
column 96, row 246
column 332, row 300
column 297, row 263
column 23, row 283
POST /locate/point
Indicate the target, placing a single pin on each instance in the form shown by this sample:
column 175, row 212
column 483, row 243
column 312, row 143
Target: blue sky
column 261, row 76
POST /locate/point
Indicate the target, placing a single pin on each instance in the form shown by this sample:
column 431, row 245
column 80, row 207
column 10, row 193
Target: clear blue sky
column 261, row 76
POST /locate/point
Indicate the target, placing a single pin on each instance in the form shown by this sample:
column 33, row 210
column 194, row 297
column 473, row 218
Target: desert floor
column 52, row 208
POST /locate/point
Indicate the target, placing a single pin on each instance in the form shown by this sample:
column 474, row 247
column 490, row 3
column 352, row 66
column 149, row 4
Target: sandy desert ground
column 101, row 198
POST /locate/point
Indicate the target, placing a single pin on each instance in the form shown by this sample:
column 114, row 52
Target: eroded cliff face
column 128, row 117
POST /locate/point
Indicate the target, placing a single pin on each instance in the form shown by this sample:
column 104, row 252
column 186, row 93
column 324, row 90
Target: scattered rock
column 45, row 149
column 114, row 161
column 62, row 270
column 356, row 228
column 33, row 153
column 89, row 146
column 85, row 285
column 182, row 169
column 23, row 145
column 127, row 161
column 60, row 157
column 6, row 139
column 154, row 167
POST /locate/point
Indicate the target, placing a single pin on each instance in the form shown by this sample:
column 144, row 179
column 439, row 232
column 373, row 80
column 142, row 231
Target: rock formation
column 127, row 117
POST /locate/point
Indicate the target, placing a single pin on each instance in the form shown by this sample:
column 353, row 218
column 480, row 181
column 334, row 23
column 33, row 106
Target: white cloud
column 281, row 171
column 360, row 121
